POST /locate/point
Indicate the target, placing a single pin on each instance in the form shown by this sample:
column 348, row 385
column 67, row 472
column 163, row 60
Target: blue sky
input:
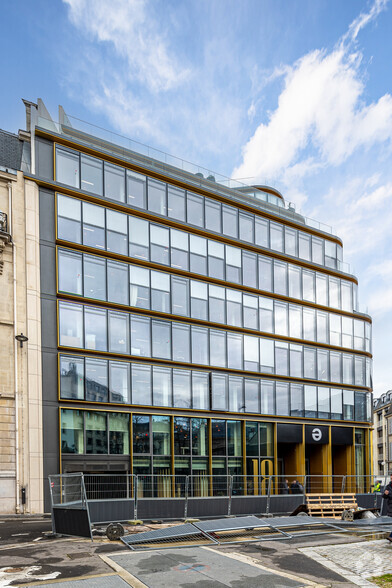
column 296, row 94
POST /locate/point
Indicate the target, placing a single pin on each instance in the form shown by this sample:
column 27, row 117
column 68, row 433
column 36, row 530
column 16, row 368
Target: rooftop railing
column 137, row 152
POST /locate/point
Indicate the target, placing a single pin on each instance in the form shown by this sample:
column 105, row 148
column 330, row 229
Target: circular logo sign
column 316, row 435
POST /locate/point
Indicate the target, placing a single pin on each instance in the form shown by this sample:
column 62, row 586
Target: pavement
column 29, row 557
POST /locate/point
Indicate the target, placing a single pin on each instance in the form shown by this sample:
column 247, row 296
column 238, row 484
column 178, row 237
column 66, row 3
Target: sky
column 293, row 94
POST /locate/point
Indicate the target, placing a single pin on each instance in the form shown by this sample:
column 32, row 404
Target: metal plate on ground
column 231, row 524
column 177, row 536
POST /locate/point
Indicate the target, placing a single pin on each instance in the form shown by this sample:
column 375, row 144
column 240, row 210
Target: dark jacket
column 296, row 488
column 388, row 499
column 284, row 487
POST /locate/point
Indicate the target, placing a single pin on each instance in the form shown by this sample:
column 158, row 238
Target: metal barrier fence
column 69, row 505
column 121, row 497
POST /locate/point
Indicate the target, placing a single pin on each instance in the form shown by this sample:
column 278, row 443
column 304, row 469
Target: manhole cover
column 79, row 555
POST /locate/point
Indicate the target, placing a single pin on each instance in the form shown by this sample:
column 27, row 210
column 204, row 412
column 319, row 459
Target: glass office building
column 189, row 327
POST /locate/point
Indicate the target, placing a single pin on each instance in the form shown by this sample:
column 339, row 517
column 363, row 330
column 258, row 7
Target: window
column 267, row 360
column 182, row 389
column 198, row 255
column 69, row 217
column 176, row 203
column 262, row 232
column 216, row 260
column 295, row 321
column 213, row 215
column 230, row 221
column 218, row 428
column 290, row 241
column 236, row 394
column 250, row 304
column 71, row 324
column 140, row 336
column 93, row 226
column 324, row 408
column 67, row 167
column 182, row 436
column 179, row 251
column 161, row 339
column 91, row 175
column 118, row 434
column 336, row 404
column 218, row 348
column 136, row 189
column 251, row 353
column 70, row 272
column 141, row 433
column 96, row 433
column 249, row 269
column 97, row 388
column 308, row 285
column 304, row 246
column 180, row 296
column 281, row 318
column 114, row 182
column 116, row 232
column 317, row 251
column 117, row 282
column 265, row 274
column 252, row 395
column 139, row 238
column 281, row 358
column 200, row 387
column 159, row 244
column 217, row 304
column 72, row 377
column 282, row 398
column 157, row 197
column 141, row 384
column 139, row 287
column 280, row 277
column 162, row 386
column 181, row 342
column 266, row 314
column 95, row 329
column 233, row 264
column 219, row 392
column 296, row 368
column 160, row 291
column 200, row 351
column 310, row 401
column 118, row 332
column 267, row 397
column 276, row 236
column 297, row 400
column 94, row 277
column 195, row 210
column 119, row 382
column 161, row 435
column 72, row 431
column 234, row 351
column 247, row 231
column 234, row 308
column 199, row 437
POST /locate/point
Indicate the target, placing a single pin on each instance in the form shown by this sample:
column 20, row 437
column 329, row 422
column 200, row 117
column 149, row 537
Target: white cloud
column 135, row 36
column 322, row 107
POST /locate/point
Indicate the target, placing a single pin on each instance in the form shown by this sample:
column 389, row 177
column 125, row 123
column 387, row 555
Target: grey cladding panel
column 47, row 221
column 49, row 376
column 48, row 269
column 49, row 323
column 44, row 158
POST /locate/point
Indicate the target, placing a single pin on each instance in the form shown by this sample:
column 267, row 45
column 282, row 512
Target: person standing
column 387, row 496
column 284, row 487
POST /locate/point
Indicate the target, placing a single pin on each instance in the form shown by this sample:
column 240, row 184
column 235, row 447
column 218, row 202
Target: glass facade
column 226, row 337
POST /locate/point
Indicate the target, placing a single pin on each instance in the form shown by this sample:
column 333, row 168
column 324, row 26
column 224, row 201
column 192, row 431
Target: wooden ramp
column 329, row 506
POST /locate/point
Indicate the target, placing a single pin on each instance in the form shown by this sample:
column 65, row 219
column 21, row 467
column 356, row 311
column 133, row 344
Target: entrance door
column 341, row 467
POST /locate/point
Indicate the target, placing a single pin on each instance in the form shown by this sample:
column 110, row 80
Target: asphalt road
column 23, row 530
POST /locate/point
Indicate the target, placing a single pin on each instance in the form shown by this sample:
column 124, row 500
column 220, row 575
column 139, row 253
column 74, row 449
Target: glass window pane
column 91, row 174
column 321, row 290
column 233, row 264
column 216, row 260
column 267, row 397
column 199, row 437
column 249, row 269
column 118, row 332
column 162, row 386
column 230, row 221
column 250, row 309
column 296, row 370
column 181, row 342
column 348, row 405
column 157, row 196
column 336, row 404
column 161, row 339
column 117, row 282
column 335, row 360
column 282, row 398
column 252, row 396
column 198, row 255
column 265, row 274
column 304, row 246
column 140, row 336
column 179, row 250
column 71, row 377
column 72, row 431
column 160, row 291
column 136, row 189
column 159, row 244
column 334, row 292
column 266, row 439
column 182, row 436
column 295, row 320
column 218, row 348
column 309, row 363
column 276, row 236
column 97, row 388
column 281, row 358
column 119, row 382
column 67, row 167
column 290, row 241
column 195, row 210
column 347, row 303
column 69, row 218
column 267, row 356
column 213, row 215
column 141, row 433
column 139, row 287
column 335, row 329
column 309, row 324
column 96, row 433
column 234, row 307
column 180, row 296
column 310, row 401
column 93, row 226
column 219, row 392
column 252, row 438
column 234, row 351
column 280, row 277
column 297, row 400
column 182, row 389
column 70, row 272
column 324, row 408
column 176, row 203
column 322, row 365
column 295, row 282
column 118, row 434
column 262, row 232
column 114, row 182
column 218, row 428
column 234, row 438
column 348, row 365
column 199, row 300
column 217, row 304
column 200, row 351
column 94, row 277
column 322, row 327
column 308, row 285
column 251, row 353
column 281, row 318
column 141, row 384
column 236, row 394
column 317, row 251
column 116, row 232
column 200, row 387
column 161, row 435
column 266, row 314
column 247, row 230
column 139, row 238
column 71, row 324
column 95, row 329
